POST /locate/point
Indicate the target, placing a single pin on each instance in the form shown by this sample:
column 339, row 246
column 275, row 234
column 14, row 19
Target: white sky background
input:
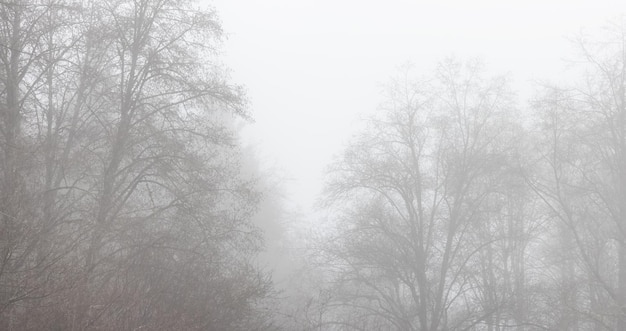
column 314, row 67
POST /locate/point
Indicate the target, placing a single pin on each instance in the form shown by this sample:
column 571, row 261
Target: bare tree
column 122, row 203
column 25, row 58
column 584, row 184
column 419, row 185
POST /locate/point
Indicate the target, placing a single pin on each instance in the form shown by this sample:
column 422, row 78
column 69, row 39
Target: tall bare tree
column 122, row 203
column 584, row 182
column 422, row 188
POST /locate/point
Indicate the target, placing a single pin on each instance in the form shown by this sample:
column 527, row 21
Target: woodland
column 128, row 203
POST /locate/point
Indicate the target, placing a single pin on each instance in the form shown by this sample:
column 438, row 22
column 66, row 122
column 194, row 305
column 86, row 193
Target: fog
column 312, row 165
column 320, row 65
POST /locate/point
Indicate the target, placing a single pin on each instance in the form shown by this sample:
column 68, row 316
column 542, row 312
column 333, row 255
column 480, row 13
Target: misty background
column 320, row 65
column 315, row 69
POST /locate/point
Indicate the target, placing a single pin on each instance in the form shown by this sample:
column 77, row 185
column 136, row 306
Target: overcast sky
column 312, row 67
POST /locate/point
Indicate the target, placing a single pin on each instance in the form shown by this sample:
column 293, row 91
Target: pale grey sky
column 311, row 67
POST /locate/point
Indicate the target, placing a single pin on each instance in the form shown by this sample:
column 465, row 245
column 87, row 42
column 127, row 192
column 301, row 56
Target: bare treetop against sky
column 311, row 67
